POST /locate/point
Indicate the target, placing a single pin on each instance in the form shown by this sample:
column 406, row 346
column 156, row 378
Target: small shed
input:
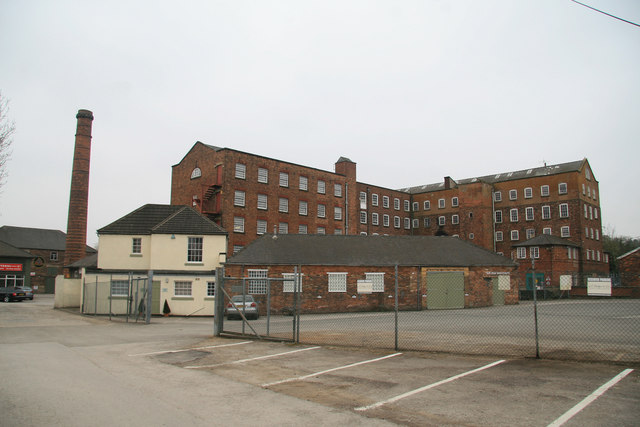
column 629, row 269
column 435, row 272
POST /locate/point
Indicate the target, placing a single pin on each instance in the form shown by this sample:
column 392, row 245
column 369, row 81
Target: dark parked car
column 11, row 293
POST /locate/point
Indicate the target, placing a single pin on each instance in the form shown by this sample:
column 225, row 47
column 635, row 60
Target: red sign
column 10, row 267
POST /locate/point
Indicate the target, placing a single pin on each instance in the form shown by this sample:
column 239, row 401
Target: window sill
column 135, row 255
column 194, row 263
column 185, row 298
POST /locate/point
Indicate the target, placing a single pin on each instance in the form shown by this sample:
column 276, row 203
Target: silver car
column 248, row 306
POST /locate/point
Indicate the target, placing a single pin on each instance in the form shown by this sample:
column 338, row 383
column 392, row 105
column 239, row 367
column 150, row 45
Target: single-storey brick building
column 359, row 273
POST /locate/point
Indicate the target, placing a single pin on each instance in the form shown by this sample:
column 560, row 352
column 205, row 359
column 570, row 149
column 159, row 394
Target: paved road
column 60, row 369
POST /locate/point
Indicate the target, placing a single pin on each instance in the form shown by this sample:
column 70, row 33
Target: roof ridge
column 170, row 217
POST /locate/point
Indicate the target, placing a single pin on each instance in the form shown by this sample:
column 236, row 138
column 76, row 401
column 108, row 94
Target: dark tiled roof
column 547, row 240
column 163, row 219
column 428, row 251
column 506, row 176
column 10, row 251
column 35, row 238
column 90, row 261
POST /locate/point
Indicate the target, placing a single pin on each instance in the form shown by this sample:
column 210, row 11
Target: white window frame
column 528, row 193
column 288, row 284
column 195, row 249
column 211, row 289
column 303, row 183
column 337, row 190
column 182, row 288
column 363, row 217
column 374, row 199
column 497, row 196
column 455, row 219
column 377, row 281
column 322, row 211
column 241, row 171
column 284, row 179
column 565, row 231
column 442, row 220
column 385, row 220
column 562, row 188
column 513, row 194
column 283, row 205
column 534, row 252
column 515, row 235
column 263, row 175
column 455, row 202
column 529, row 213
column 136, row 245
column 262, row 202
column 546, row 212
column 407, row 205
column 442, row 203
column 239, row 198
column 337, row 213
column 337, row 282
column 257, row 281
column 407, row 223
column 385, row 202
column 322, row 187
column 396, row 222
column 283, row 228
column 238, row 224
column 375, row 219
column 544, row 190
column 416, row 206
column 513, row 215
column 521, row 252
column 415, row 223
column 497, row 216
column 499, row 236
column 547, row 231
column 303, row 208
column 426, row 205
column 261, row 226
column 530, row 233
column 396, row 203
column 563, row 210
column 119, row 288
column 303, row 229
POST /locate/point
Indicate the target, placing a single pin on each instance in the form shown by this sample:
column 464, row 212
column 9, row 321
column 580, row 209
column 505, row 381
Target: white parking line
column 589, row 399
column 304, row 377
column 427, row 387
column 189, row 349
column 251, row 359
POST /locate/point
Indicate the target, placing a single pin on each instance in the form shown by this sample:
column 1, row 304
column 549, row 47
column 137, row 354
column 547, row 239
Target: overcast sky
column 412, row 91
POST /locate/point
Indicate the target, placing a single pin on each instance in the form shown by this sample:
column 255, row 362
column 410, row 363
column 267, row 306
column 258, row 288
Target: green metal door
column 539, row 280
column 445, row 290
column 50, row 280
column 155, row 297
column 498, row 295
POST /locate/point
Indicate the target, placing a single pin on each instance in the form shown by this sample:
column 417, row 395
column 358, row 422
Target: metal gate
column 118, row 297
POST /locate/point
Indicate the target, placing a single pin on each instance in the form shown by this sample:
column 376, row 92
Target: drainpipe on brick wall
column 493, row 218
column 346, row 208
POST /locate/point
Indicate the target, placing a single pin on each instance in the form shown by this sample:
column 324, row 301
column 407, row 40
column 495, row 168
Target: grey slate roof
column 505, row 176
column 163, row 219
column 547, row 240
column 90, row 261
column 10, row 251
column 427, row 251
column 35, row 238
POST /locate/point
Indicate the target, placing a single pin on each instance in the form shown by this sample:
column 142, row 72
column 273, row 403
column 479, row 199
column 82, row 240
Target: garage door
column 445, row 289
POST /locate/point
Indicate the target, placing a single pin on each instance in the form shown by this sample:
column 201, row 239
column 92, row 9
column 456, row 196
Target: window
column 407, row 223
column 302, row 229
column 441, row 203
column 262, row 201
column 238, row 224
column 119, row 288
column 182, row 289
column 396, row 221
column 396, row 204
column 499, row 236
column 590, row 212
column 337, row 213
column 385, row 220
column 595, row 213
column 454, row 202
column 528, row 213
column 569, row 252
column 239, row 198
column 241, row 171
column 322, row 209
column 377, row 280
column 531, row 233
column 136, row 245
column 237, row 248
column 415, row 223
column 196, row 173
column 407, row 205
column 304, row 183
column 263, row 175
column 374, row 199
column 416, row 206
column 592, row 235
column 546, row 212
column 564, row 231
column 288, row 285
column 385, row 202
column 284, row 179
column 515, row 235
column 497, row 196
column 547, row 231
column 587, row 174
column 584, row 190
column 589, row 192
column 211, row 289
column 337, row 282
column 498, row 215
column 534, row 252
column 562, row 188
column 426, row 205
column 564, row 210
column 337, row 190
column 302, row 208
column 322, row 187
column 53, row 256
column 528, row 193
column 455, row 219
column 544, row 190
column 597, row 234
column 283, row 228
column 363, row 200
column 513, row 194
column 593, row 193
column 442, row 220
column 513, row 215
column 194, row 249
column 321, row 230
column 374, row 219
column 586, row 211
column 261, row 226
column 427, row 222
column 283, row 205
column 363, row 217
column 522, row 253
column 257, row 281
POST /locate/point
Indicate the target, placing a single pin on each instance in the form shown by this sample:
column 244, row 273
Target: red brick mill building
column 251, row 195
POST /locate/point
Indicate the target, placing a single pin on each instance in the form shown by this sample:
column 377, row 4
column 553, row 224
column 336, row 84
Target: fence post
column 396, row 309
column 298, row 282
column 535, row 304
column 218, row 311
column 147, row 317
column 268, row 303
column 295, row 303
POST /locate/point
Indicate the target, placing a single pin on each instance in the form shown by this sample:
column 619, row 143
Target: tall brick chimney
column 79, row 196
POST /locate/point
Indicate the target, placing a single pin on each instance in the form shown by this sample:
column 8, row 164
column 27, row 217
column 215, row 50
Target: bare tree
column 6, row 131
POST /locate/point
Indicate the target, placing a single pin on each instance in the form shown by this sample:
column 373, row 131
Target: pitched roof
column 428, row 251
column 88, row 262
column 629, row 253
column 35, row 238
column 163, row 219
column 10, row 251
column 505, row 176
column 547, row 240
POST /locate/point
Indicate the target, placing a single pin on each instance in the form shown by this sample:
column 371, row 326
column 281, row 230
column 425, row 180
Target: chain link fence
column 568, row 317
column 120, row 297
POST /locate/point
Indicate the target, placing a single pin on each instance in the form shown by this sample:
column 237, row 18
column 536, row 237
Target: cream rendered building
column 181, row 248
